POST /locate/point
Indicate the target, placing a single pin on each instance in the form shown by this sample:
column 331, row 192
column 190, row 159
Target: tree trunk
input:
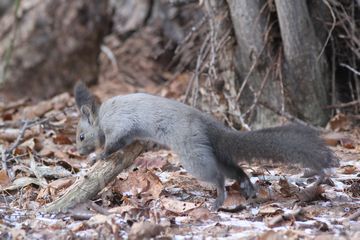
column 306, row 71
column 50, row 45
column 253, row 60
column 296, row 74
column 4, row 6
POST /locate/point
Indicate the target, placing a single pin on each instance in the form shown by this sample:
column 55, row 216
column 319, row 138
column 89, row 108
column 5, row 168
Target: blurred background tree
column 249, row 61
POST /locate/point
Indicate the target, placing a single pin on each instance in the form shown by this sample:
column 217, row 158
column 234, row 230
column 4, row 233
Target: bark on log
column 306, row 72
column 50, row 45
column 100, row 175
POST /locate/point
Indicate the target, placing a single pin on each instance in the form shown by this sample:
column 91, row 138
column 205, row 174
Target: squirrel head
column 87, row 132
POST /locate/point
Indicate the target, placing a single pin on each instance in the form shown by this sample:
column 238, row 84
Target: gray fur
column 207, row 149
column 88, row 126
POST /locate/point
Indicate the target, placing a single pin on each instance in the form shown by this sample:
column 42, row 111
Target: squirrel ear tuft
column 86, row 102
column 82, row 95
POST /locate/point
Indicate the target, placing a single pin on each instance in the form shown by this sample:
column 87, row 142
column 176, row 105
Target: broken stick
column 101, row 174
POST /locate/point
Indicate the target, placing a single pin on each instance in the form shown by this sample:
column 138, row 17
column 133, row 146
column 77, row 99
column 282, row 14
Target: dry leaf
column 62, row 183
column 4, row 178
column 36, row 170
column 270, row 210
column 144, row 230
column 17, row 233
column 32, row 112
column 10, row 134
column 311, row 193
column 62, row 140
column 333, row 138
column 200, row 214
column 233, row 199
column 272, row 235
column 33, row 144
column 46, row 152
column 52, row 171
column 13, row 105
column 99, row 219
column 177, row 206
column 347, row 143
column 151, row 161
column 62, row 100
column 339, row 122
column 349, row 169
column 140, row 182
column 22, row 182
column 287, row 189
column 354, row 189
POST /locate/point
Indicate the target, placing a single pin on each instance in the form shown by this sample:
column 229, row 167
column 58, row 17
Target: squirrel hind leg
column 235, row 172
column 219, row 183
column 202, row 164
column 221, row 193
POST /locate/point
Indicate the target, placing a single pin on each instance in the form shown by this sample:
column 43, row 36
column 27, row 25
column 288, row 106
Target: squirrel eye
column 82, row 137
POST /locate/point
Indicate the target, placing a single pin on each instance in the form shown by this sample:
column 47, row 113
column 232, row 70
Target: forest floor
column 156, row 197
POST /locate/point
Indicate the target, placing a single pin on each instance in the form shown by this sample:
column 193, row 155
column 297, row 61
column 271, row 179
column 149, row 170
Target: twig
column 246, row 79
column 350, row 68
column 18, row 139
column 331, row 29
column 5, row 167
column 107, row 51
column 333, row 73
column 343, row 105
column 193, row 30
column 248, row 75
column 258, row 93
column 202, row 56
column 278, row 70
column 17, row 156
column 285, row 216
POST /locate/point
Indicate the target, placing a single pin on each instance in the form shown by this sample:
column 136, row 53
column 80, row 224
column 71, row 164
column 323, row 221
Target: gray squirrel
column 207, row 149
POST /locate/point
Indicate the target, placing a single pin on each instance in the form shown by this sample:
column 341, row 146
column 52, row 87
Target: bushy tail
column 290, row 144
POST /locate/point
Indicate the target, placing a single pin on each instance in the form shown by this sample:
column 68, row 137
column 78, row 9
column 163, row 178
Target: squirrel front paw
column 103, row 156
column 247, row 189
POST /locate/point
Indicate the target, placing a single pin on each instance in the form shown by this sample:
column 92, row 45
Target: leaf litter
column 156, row 198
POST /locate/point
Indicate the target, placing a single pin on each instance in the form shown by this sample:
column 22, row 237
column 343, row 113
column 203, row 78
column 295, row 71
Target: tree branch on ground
column 100, row 175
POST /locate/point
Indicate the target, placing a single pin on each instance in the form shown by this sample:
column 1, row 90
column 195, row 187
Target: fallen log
column 100, row 175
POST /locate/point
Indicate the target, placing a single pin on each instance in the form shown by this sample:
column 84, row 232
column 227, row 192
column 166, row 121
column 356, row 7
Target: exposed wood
column 101, row 174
